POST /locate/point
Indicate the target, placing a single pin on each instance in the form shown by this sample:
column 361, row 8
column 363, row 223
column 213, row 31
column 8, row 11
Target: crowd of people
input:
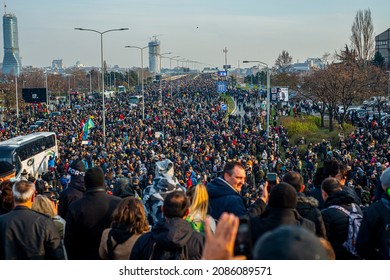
column 158, row 187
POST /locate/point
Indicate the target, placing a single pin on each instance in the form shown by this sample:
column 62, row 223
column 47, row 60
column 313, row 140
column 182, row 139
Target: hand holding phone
column 243, row 243
column 272, row 180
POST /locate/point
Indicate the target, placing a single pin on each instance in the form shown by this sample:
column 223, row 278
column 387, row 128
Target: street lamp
column 102, row 65
column 268, row 89
column 170, row 70
column 161, row 57
column 142, row 76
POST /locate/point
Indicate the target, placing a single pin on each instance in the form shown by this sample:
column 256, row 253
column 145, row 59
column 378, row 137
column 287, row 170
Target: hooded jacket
column 307, row 207
column 223, row 198
column 172, row 234
column 337, row 223
column 75, row 189
column 369, row 240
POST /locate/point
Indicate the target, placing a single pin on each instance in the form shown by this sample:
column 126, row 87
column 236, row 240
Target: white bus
column 29, row 152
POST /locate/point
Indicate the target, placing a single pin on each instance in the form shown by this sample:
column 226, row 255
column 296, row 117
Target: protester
column 75, row 189
column 307, row 207
column 88, row 217
column 335, row 219
column 172, row 238
column 128, row 223
column 26, row 234
column 198, row 208
column 373, row 241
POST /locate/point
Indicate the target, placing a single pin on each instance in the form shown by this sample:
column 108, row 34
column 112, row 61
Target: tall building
column 154, row 56
column 11, row 62
column 382, row 45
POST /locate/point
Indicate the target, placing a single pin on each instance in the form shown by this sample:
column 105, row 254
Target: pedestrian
column 88, row 217
column 26, row 234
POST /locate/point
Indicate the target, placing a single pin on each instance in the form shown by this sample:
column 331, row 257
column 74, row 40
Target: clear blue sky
column 197, row 30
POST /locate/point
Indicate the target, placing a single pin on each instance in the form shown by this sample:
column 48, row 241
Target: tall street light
column 268, row 89
column 161, row 57
column 170, row 70
column 142, row 76
column 102, row 62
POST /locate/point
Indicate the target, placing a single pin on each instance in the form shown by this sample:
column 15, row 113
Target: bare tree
column 283, row 61
column 362, row 39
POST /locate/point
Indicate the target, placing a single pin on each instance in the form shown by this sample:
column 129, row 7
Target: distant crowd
column 158, row 187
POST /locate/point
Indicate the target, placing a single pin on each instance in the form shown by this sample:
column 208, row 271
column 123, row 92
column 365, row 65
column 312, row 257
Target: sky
column 194, row 30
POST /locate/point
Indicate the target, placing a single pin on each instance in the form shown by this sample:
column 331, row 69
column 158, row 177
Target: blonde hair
column 43, row 205
column 199, row 202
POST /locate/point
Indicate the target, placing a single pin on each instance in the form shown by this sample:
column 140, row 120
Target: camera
column 243, row 242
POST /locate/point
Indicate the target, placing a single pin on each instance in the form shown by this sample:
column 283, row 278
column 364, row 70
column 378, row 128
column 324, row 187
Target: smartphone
column 271, row 179
column 243, row 242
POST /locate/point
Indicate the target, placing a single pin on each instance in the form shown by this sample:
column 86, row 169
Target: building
column 154, row 55
column 57, row 65
column 11, row 62
column 382, row 45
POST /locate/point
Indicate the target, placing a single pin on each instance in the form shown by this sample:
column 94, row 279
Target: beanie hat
column 283, row 195
column 94, row 178
column 6, row 168
column 289, row 242
column 76, row 168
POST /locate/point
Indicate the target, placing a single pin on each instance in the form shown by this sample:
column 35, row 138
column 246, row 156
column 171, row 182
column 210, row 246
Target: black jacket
column 307, row 207
column 74, row 191
column 337, row 223
column 86, row 220
column 274, row 217
column 170, row 234
column 29, row 235
column 368, row 242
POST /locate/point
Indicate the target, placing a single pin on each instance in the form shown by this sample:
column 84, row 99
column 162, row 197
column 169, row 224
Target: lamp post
column 102, row 65
column 142, row 76
column 16, row 96
column 161, row 57
column 170, row 70
column 268, row 89
column 69, row 89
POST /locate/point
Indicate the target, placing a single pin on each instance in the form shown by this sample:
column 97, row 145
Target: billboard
column 34, row 95
column 279, row 94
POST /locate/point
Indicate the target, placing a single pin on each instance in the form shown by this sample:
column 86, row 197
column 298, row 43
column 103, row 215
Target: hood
column 219, row 187
column 77, row 183
column 172, row 233
column 339, row 198
column 164, row 168
column 310, row 201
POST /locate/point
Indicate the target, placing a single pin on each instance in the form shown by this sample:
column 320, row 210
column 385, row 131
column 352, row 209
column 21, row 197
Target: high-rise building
column 154, row 55
column 11, row 62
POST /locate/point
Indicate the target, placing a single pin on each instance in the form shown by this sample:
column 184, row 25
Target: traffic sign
column 221, row 87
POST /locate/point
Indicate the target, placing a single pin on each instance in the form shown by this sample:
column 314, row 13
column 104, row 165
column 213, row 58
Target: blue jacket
column 223, row 198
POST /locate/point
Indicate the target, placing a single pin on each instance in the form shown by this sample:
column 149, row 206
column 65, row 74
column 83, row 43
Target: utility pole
column 225, row 50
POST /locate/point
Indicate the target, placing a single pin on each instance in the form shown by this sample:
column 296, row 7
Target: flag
column 87, row 127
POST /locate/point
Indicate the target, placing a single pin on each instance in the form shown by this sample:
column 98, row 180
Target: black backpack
column 160, row 253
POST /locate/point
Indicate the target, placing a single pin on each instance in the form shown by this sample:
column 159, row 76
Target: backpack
column 160, row 253
column 354, row 222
